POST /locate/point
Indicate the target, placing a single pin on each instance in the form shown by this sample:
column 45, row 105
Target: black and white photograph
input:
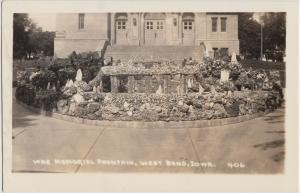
column 207, row 93
column 149, row 92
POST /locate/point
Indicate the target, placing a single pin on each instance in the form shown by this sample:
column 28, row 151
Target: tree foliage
column 29, row 39
column 274, row 33
column 274, row 30
column 249, row 35
column 20, row 34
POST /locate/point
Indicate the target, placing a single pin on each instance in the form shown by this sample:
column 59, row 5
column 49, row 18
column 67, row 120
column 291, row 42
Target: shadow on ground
column 270, row 144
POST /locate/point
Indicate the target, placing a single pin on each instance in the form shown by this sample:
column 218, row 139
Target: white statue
column 78, row 75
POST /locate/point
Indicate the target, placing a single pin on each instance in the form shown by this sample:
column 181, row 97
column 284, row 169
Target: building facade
column 83, row 32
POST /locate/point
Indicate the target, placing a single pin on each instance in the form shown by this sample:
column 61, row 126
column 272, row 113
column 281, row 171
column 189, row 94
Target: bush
column 26, row 94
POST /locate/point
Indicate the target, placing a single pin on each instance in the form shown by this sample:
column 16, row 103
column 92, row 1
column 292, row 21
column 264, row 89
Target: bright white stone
column 189, row 83
column 126, row 105
column 48, row 86
column 224, row 76
column 233, row 57
column 201, row 89
column 78, row 98
column 78, row 75
column 159, row 90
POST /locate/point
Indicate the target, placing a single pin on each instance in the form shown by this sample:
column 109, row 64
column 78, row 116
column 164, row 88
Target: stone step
column 125, row 53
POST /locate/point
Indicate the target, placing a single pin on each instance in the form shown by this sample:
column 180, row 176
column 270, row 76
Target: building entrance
column 154, row 32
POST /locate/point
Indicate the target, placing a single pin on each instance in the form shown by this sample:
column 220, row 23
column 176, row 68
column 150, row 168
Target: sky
column 44, row 20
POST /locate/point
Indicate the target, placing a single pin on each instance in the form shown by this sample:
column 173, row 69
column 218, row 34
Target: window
column 149, row 25
column 81, row 21
column 223, row 24
column 174, row 21
column 159, row 25
column 134, row 22
column 121, row 25
column 187, row 25
column 214, row 24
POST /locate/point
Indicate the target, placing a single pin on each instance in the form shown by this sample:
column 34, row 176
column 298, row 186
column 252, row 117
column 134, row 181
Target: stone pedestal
column 183, row 84
column 114, row 83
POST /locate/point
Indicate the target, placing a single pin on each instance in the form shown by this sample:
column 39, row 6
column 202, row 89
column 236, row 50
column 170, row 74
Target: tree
column 249, row 35
column 274, row 31
column 29, row 39
column 20, row 34
column 40, row 41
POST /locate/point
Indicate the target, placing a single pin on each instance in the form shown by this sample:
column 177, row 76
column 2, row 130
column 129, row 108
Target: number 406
column 236, row 165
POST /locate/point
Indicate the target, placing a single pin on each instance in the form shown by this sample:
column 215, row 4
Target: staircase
column 176, row 53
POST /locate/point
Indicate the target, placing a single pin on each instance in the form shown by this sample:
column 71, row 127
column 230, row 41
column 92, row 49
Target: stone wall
column 169, row 107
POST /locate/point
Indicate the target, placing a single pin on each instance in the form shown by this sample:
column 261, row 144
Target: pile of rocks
column 147, row 69
column 171, row 107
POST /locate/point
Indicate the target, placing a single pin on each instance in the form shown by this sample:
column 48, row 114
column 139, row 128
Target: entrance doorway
column 121, row 29
column 188, row 31
column 155, row 28
column 154, row 32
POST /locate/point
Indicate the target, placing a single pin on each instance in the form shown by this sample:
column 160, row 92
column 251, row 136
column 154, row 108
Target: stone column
column 112, row 28
column 114, row 83
column 180, row 28
column 142, row 40
column 130, row 84
column 183, row 86
column 148, row 83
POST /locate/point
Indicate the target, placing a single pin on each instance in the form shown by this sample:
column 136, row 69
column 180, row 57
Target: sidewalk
column 45, row 144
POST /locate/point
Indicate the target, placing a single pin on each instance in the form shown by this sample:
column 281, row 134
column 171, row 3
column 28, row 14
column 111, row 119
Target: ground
column 255, row 146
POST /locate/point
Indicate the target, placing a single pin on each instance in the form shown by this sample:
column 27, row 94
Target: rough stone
column 78, row 98
column 207, row 106
column 126, row 105
column 180, row 103
column 113, row 109
column 147, row 106
column 83, row 104
column 62, row 106
column 158, row 109
column 129, row 113
column 72, row 108
column 93, row 107
column 78, row 75
column 191, row 109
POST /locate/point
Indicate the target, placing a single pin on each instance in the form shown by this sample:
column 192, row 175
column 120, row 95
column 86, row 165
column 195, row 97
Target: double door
column 155, row 32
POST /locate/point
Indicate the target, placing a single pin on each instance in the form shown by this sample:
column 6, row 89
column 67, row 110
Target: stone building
column 145, row 33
